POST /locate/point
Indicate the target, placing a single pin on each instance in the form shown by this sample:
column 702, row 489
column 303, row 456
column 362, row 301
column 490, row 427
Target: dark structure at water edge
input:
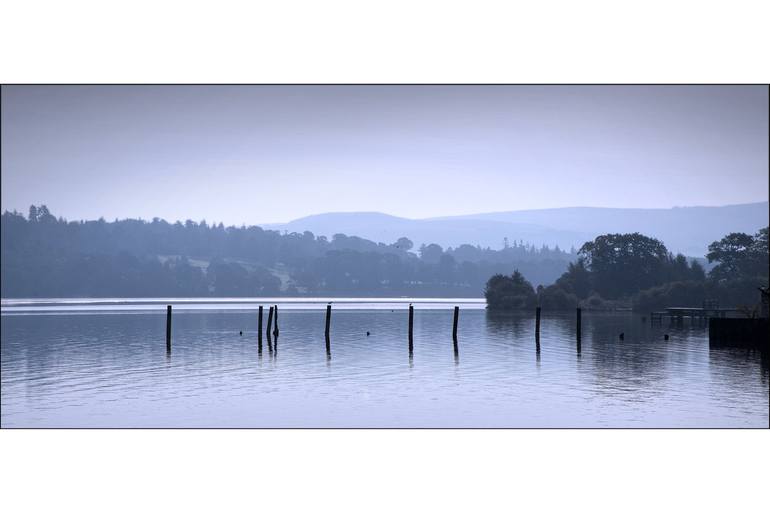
column 750, row 333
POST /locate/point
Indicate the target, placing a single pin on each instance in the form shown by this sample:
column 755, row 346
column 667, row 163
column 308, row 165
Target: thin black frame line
column 399, row 428
column 394, row 84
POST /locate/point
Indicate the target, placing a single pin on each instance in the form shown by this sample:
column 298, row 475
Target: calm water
column 102, row 364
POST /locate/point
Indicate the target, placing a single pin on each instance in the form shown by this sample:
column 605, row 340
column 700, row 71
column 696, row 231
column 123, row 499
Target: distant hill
column 688, row 230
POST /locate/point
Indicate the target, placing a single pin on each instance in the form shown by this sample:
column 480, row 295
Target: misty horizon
column 270, row 154
column 685, row 230
column 268, row 224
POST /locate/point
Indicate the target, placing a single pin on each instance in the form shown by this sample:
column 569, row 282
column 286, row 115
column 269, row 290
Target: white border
column 403, row 470
column 396, row 41
column 384, row 41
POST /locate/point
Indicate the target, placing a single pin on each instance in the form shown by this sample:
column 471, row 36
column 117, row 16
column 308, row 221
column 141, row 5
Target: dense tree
column 233, row 279
column 578, row 280
column 622, row 267
column 431, row 253
column 512, row 292
column 44, row 256
column 623, row 263
column 403, row 244
column 739, row 255
column 555, row 297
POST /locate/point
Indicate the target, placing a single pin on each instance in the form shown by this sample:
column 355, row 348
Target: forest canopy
column 46, row 256
column 633, row 270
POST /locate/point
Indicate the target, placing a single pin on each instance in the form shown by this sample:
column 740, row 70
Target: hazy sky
column 254, row 154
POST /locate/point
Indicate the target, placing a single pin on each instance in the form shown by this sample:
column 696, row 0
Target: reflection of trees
column 636, row 364
column 743, row 361
column 510, row 324
column 49, row 350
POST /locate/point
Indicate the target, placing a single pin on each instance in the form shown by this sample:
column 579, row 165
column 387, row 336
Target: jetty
column 710, row 309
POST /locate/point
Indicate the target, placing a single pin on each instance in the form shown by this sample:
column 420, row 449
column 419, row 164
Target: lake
column 103, row 363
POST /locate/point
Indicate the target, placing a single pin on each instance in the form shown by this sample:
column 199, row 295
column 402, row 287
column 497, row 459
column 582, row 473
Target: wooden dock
column 678, row 313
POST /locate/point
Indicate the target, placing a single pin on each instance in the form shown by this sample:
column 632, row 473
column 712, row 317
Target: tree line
column 46, row 256
column 633, row 270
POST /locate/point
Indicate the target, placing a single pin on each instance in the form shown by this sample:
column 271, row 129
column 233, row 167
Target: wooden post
column 454, row 323
column 168, row 328
column 579, row 322
column 275, row 320
column 259, row 330
column 411, row 326
column 454, row 326
column 537, row 329
column 269, row 325
column 328, row 324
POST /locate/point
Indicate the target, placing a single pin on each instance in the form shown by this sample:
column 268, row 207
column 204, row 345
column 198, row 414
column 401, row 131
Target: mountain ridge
column 687, row 229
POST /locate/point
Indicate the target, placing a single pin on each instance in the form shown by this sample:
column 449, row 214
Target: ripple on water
column 94, row 369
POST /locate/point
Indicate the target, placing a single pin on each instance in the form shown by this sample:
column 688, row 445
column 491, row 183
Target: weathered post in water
column 579, row 322
column 579, row 328
column 411, row 326
column 537, row 329
column 168, row 328
column 259, row 329
column 454, row 324
column 454, row 328
column 328, row 324
column 269, row 325
column 275, row 320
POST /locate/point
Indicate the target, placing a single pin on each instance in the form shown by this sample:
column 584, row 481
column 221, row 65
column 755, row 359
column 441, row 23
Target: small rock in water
column 240, row 333
column 367, row 333
column 665, row 337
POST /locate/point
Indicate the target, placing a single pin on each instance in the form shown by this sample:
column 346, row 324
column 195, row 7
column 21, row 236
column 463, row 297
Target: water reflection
column 636, row 362
column 514, row 324
column 109, row 370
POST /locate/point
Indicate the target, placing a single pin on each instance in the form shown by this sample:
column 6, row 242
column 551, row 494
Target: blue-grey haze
column 682, row 230
column 261, row 154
